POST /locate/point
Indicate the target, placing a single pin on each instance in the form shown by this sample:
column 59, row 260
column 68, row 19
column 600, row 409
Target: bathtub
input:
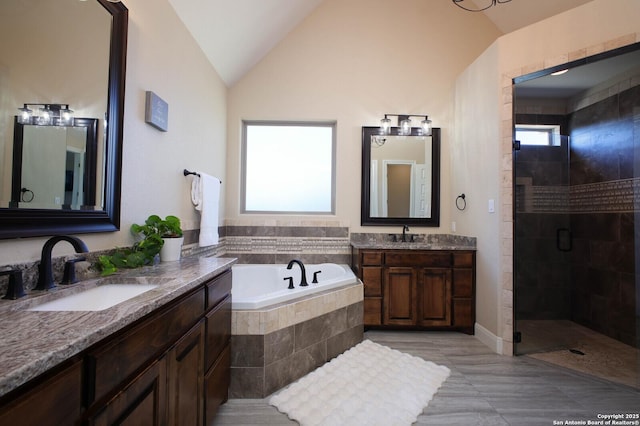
column 255, row 286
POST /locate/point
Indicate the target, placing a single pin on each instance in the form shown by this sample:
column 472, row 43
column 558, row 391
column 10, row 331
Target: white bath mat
column 369, row 384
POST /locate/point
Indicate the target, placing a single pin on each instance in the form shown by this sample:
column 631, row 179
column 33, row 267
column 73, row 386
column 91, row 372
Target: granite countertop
column 35, row 341
column 421, row 242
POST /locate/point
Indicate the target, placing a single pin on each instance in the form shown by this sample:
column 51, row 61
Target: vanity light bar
column 404, row 124
column 50, row 115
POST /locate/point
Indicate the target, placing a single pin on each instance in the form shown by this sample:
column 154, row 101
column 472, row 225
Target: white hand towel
column 205, row 195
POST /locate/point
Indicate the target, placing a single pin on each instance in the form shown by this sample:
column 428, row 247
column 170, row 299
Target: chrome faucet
column 45, row 278
column 303, row 280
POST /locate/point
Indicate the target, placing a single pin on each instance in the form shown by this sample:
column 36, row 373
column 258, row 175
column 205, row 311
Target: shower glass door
column 543, row 237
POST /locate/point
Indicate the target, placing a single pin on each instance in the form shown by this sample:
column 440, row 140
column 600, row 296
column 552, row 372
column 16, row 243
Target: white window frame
column 294, row 178
column 549, row 134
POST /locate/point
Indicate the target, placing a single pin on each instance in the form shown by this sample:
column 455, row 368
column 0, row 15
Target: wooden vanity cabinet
column 425, row 289
column 170, row 367
column 181, row 343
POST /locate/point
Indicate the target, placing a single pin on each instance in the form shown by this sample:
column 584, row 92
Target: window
column 538, row 134
column 288, row 167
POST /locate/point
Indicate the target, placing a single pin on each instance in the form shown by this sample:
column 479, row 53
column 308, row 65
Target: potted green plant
column 160, row 237
column 167, row 232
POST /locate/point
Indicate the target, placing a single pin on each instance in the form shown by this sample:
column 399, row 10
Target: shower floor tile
column 570, row 345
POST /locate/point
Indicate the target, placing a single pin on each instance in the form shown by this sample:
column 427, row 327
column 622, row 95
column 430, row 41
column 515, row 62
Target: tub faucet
column 303, row 280
column 45, row 278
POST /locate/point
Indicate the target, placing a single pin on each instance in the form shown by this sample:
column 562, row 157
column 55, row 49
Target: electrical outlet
column 453, row 227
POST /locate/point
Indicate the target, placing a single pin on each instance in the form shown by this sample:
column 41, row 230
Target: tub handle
column 315, row 277
column 290, row 282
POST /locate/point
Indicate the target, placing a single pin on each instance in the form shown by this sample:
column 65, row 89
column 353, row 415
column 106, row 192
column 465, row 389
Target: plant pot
column 171, row 249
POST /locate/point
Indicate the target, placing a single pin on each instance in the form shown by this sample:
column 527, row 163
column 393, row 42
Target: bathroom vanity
column 161, row 357
column 417, row 286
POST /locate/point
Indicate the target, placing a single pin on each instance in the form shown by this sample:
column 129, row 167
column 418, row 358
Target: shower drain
column 576, row 351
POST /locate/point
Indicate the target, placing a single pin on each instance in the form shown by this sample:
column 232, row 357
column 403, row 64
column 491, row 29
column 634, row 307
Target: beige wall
column 483, row 123
column 162, row 57
column 353, row 61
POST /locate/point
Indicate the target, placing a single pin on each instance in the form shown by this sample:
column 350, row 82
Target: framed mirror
column 54, row 167
column 400, row 178
column 102, row 90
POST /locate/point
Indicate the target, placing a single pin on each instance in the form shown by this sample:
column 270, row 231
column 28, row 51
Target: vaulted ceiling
column 236, row 34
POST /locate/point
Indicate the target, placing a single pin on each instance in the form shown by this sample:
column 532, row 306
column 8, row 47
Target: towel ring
column 460, row 201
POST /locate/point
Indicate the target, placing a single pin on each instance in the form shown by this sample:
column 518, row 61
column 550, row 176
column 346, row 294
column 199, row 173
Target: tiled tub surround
column 276, row 345
column 34, row 342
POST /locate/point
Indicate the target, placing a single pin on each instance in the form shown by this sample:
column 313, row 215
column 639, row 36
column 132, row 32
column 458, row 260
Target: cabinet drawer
column 372, row 280
column 55, row 401
column 463, row 313
column 463, row 259
column 218, row 288
column 462, row 282
column 423, row 259
column 373, row 311
column 218, row 331
column 371, row 258
column 109, row 365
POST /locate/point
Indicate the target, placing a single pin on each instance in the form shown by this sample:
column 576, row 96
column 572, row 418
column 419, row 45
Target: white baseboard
column 488, row 338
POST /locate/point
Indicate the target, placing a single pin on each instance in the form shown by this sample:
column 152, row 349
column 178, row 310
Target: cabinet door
column 142, row 401
column 217, row 385
column 54, row 401
column 435, row 297
column 400, row 296
column 186, row 373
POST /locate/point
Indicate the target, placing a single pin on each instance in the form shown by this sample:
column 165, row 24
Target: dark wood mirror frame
column 18, row 223
column 89, row 178
column 365, row 218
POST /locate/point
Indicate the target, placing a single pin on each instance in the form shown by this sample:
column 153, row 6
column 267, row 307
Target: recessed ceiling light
column 560, row 72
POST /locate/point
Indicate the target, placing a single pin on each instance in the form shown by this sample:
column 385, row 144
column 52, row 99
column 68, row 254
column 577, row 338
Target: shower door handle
column 564, row 239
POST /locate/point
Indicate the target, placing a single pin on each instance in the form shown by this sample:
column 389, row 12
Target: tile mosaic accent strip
column 619, row 196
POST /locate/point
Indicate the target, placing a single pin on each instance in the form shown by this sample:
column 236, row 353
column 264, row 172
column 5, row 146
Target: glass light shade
column 66, row 116
column 385, row 126
column 405, row 127
column 25, row 115
column 426, row 126
column 45, row 116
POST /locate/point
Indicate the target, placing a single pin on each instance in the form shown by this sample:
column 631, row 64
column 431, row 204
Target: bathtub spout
column 303, row 280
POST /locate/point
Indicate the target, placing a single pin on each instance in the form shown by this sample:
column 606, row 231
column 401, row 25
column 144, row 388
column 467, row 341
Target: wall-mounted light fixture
column 473, row 8
column 46, row 115
column 404, row 124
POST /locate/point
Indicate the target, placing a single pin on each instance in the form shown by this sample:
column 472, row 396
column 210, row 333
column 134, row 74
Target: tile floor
column 484, row 388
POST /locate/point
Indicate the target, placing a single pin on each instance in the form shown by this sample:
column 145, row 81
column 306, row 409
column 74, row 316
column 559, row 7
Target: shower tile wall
column 605, row 196
column 600, row 289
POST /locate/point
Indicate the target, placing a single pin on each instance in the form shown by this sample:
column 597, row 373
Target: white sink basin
column 95, row 299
